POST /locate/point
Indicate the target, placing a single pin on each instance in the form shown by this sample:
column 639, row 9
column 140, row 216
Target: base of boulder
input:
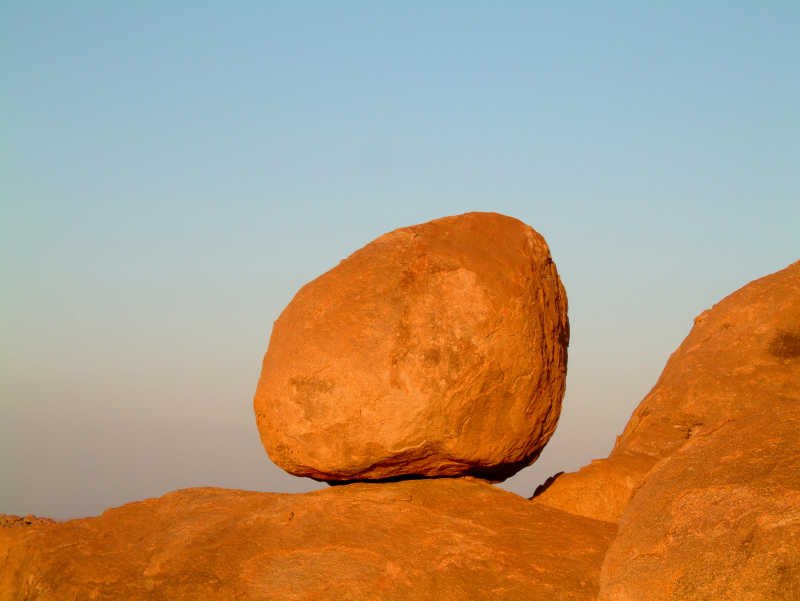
column 454, row 539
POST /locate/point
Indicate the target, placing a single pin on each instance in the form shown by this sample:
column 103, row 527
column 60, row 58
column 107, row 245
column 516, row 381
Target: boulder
column 718, row 514
column 600, row 490
column 739, row 360
column 436, row 350
column 705, row 479
column 454, row 539
column 719, row 519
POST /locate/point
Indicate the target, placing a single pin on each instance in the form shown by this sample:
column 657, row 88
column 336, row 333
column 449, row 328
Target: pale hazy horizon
column 172, row 175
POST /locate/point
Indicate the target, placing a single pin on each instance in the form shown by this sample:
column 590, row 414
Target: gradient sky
column 172, row 173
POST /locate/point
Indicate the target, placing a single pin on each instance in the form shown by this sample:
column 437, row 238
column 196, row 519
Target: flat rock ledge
column 454, row 539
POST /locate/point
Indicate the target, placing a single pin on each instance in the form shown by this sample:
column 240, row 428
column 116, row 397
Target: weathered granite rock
column 705, row 479
column 454, row 539
column 600, row 490
column 8, row 520
column 718, row 516
column 739, row 358
column 717, row 520
column 438, row 349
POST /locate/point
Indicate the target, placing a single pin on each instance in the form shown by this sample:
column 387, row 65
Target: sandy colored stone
column 8, row 520
column 438, row 349
column 600, row 490
column 740, row 356
column 453, row 539
column 719, row 520
column 14, row 528
column 718, row 516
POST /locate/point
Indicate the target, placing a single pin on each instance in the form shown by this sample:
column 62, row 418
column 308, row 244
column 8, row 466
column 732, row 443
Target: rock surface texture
column 717, row 518
column 705, row 479
column 437, row 350
column 699, row 499
column 453, row 539
column 739, row 360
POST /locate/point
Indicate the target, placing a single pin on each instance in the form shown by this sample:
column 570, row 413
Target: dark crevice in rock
column 546, row 484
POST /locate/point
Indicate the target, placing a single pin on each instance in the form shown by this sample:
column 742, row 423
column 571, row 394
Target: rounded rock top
column 438, row 349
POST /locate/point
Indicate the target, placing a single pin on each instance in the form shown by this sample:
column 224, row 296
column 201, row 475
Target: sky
column 172, row 173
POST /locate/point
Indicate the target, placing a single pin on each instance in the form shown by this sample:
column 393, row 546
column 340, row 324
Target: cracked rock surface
column 437, row 350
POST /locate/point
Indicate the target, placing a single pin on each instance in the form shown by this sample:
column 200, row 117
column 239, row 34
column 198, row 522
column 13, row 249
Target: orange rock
column 739, row 357
column 454, row 539
column 8, row 520
column 718, row 517
column 600, row 490
column 705, row 479
column 438, row 349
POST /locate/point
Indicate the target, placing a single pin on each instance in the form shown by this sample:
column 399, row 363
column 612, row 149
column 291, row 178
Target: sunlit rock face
column 415, row 540
column 700, row 498
column 719, row 519
column 740, row 360
column 718, row 516
column 436, row 350
column 705, row 480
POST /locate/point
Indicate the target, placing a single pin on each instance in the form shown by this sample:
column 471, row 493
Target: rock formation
column 705, row 479
column 600, row 490
column 699, row 499
column 438, row 349
column 718, row 516
column 453, row 539
column 15, row 521
column 739, row 360
column 719, row 519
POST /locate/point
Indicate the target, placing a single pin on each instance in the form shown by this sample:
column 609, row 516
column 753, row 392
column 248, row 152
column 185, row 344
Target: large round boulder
column 436, row 350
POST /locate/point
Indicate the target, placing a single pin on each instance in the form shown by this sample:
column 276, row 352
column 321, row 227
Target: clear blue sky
column 171, row 174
